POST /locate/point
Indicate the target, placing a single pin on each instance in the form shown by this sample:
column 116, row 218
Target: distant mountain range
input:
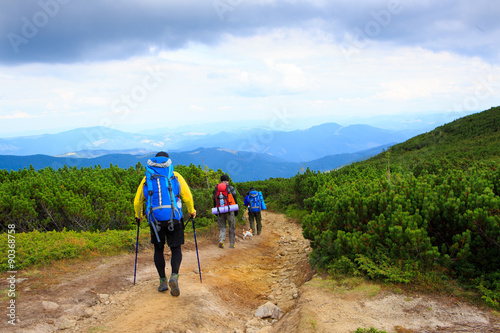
column 246, row 154
column 294, row 146
column 241, row 166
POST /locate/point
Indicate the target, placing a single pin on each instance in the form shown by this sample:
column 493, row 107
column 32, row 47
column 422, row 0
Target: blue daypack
column 255, row 201
column 162, row 189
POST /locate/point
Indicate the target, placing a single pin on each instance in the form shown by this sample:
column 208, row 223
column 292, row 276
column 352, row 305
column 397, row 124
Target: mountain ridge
column 242, row 166
column 292, row 146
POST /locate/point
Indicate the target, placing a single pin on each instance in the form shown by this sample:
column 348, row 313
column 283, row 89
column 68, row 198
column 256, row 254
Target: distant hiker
column 159, row 188
column 225, row 199
column 255, row 203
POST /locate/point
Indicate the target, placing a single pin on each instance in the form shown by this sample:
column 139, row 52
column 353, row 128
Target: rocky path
column 265, row 284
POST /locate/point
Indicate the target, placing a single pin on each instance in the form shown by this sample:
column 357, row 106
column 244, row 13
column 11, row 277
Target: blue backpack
column 162, row 192
column 255, row 201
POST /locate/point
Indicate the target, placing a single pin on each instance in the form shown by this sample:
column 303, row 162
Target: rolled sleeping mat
column 225, row 209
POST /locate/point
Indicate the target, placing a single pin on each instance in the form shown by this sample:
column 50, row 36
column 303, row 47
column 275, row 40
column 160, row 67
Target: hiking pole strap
column 185, row 224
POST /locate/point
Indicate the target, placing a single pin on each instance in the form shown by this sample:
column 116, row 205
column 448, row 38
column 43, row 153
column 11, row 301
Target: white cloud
column 244, row 78
column 16, row 115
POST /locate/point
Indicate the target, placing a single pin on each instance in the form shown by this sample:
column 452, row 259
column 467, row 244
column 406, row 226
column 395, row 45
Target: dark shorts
column 174, row 238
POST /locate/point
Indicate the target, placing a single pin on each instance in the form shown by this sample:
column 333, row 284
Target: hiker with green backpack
column 255, row 203
column 162, row 189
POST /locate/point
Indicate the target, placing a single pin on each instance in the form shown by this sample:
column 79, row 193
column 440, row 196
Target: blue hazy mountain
column 293, row 146
column 242, row 166
column 304, row 145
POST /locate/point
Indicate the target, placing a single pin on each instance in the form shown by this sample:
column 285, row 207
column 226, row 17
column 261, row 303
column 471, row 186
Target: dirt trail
column 99, row 296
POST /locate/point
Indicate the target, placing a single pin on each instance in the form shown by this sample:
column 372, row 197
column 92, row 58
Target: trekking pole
column 136, row 248
column 196, row 245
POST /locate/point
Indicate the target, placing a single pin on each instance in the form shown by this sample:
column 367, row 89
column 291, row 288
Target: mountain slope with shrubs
column 424, row 212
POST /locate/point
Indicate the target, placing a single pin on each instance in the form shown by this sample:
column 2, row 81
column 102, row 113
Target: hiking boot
column 221, row 245
column 163, row 284
column 231, row 246
column 174, row 285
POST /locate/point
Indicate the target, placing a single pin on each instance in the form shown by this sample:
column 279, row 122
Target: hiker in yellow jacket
column 168, row 227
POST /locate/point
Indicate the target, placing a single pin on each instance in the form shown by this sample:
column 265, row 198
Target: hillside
column 475, row 136
column 423, row 213
column 405, row 241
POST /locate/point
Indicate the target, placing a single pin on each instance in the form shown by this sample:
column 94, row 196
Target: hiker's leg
column 258, row 217
column 176, row 259
column 175, row 239
column 251, row 220
column 222, row 227
column 231, row 224
column 159, row 259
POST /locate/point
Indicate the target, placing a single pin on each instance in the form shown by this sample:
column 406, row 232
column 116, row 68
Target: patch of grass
column 369, row 330
column 308, row 323
column 4, row 292
column 36, row 249
column 345, row 284
column 398, row 291
column 368, row 289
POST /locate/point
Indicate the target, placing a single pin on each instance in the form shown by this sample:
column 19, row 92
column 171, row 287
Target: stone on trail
column 50, row 306
column 268, row 310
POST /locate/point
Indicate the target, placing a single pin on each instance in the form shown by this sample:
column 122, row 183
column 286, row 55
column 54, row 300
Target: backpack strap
column 173, row 202
column 155, row 226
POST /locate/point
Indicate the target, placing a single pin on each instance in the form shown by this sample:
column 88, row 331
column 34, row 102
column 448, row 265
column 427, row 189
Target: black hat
column 224, row 178
column 162, row 153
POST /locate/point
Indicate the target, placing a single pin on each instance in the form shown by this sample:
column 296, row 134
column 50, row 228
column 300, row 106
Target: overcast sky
column 139, row 64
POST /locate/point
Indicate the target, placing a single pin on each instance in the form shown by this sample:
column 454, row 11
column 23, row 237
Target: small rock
column 253, row 323
column 103, row 297
column 266, row 329
column 268, row 310
column 66, row 323
column 50, row 306
column 88, row 312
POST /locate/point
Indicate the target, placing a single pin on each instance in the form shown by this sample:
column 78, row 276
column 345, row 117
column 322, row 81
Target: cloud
column 66, row 31
column 17, row 115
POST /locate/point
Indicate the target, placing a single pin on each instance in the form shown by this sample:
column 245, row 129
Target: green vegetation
column 49, row 214
column 41, row 248
column 425, row 212
column 369, row 330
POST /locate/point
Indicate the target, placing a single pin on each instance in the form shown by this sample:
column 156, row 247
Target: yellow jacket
column 186, row 196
